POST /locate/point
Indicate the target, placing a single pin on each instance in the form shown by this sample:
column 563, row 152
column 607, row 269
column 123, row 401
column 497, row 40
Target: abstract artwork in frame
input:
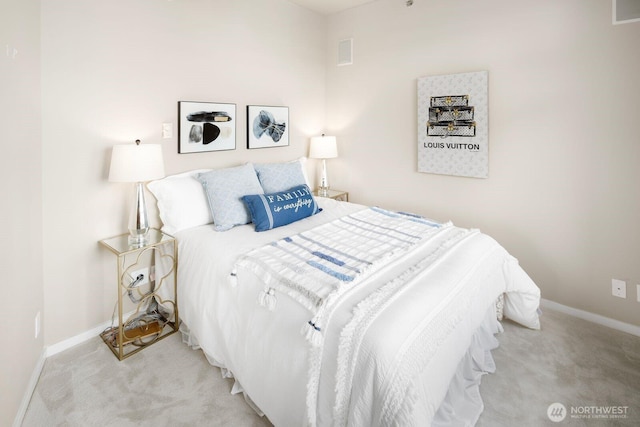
column 206, row 126
column 267, row 126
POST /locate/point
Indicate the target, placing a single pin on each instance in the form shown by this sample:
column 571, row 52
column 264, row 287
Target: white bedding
column 432, row 317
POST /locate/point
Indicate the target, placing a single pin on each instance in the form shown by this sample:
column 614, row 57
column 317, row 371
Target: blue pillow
column 277, row 209
column 276, row 177
column 224, row 189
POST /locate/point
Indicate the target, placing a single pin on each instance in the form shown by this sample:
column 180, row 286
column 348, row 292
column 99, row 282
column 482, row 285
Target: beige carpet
column 570, row 361
column 583, row 366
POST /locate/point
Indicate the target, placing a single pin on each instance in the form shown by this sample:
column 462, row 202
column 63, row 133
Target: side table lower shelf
column 137, row 338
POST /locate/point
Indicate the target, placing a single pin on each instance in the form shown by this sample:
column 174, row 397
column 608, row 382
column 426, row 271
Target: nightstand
column 147, row 304
column 340, row 195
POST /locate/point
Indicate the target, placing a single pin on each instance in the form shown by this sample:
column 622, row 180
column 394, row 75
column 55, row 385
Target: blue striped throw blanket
column 316, row 266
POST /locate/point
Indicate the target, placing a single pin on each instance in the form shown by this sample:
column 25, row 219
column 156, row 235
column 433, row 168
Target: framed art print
column 267, row 126
column 453, row 124
column 206, row 126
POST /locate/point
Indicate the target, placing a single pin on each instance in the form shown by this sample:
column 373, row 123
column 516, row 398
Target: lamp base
column 323, row 191
column 138, row 223
column 138, row 238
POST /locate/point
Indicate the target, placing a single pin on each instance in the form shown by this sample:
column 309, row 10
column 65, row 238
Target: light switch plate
column 167, row 130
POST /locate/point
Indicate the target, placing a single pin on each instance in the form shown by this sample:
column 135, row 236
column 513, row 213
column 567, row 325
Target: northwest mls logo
column 556, row 412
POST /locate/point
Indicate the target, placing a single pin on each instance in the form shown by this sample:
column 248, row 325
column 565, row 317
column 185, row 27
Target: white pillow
column 224, row 189
column 277, row 177
column 182, row 202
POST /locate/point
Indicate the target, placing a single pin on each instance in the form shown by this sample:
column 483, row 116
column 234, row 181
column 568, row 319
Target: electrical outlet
column 618, row 288
column 145, row 276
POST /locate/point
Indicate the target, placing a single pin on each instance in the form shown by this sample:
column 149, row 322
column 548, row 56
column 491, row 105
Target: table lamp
column 137, row 163
column 323, row 147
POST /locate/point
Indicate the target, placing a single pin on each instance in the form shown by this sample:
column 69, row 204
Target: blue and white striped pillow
column 277, row 209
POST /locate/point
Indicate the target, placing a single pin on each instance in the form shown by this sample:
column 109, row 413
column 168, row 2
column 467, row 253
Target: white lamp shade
column 136, row 163
column 323, row 147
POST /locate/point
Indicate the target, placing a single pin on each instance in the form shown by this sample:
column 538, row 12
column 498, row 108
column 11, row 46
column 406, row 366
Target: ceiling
column 327, row 7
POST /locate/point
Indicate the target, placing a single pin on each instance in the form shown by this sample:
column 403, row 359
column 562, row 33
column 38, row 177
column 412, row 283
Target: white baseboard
column 78, row 339
column 591, row 317
column 31, row 388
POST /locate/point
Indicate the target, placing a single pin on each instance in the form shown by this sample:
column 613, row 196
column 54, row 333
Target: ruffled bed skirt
column 462, row 404
column 189, row 339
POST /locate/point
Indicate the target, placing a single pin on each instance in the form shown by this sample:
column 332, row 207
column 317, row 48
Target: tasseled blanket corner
column 312, row 333
column 267, row 298
column 233, row 278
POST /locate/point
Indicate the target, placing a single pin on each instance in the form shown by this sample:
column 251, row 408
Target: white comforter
column 390, row 347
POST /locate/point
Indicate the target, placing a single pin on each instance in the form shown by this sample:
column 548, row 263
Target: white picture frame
column 464, row 150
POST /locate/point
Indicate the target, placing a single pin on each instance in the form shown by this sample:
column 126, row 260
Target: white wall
column 564, row 151
column 562, row 193
column 21, row 190
column 114, row 71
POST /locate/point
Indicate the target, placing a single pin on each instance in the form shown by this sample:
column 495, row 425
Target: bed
column 351, row 315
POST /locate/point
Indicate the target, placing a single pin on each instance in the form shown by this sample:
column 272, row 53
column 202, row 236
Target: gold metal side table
column 340, row 195
column 147, row 292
